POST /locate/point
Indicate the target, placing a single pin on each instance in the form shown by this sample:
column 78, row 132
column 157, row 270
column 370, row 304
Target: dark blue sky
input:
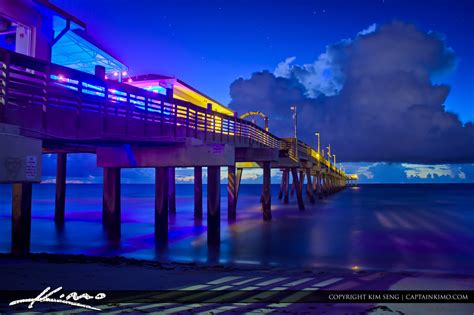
column 211, row 43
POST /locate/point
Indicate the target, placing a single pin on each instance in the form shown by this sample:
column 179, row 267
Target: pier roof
column 181, row 90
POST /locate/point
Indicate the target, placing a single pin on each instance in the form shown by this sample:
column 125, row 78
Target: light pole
column 319, row 142
column 329, row 151
column 295, row 120
column 334, row 155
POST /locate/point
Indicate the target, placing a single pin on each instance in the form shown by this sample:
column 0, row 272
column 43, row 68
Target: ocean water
column 374, row 227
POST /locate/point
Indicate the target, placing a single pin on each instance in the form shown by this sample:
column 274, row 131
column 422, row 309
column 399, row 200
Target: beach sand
column 82, row 273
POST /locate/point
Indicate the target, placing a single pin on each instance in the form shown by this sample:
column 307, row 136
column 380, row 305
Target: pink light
column 129, row 80
column 106, row 77
column 115, row 74
column 60, row 77
column 124, row 73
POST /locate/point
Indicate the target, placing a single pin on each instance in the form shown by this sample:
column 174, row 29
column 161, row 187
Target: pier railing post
column 60, row 188
column 198, row 192
column 111, row 203
column 161, row 204
column 266, row 195
column 21, row 218
column 213, row 206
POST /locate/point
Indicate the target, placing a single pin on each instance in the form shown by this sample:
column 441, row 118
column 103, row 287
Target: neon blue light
column 93, row 93
column 93, row 87
column 156, row 89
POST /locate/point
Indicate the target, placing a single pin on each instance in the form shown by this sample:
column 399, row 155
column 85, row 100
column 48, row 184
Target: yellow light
column 355, row 267
column 186, row 94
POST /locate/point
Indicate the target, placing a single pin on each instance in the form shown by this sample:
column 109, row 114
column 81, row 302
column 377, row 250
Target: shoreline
column 229, row 267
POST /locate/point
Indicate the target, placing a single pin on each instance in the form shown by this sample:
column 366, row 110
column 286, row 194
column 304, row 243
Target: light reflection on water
column 397, row 227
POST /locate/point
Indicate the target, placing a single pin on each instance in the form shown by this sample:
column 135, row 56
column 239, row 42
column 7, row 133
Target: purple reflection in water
column 390, row 227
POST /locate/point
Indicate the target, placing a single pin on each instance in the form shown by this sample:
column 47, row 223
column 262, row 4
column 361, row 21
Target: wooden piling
column 237, row 184
column 213, row 206
column 161, row 204
column 198, row 192
column 301, row 180
column 231, row 194
column 309, row 186
column 111, row 203
column 286, row 176
column 266, row 195
column 299, row 195
column 320, row 185
column 60, row 188
column 21, row 218
column 172, row 190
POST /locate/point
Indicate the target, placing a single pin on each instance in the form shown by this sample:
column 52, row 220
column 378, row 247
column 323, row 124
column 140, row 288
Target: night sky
column 390, row 84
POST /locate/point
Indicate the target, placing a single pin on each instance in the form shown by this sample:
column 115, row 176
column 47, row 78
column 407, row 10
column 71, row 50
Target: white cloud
column 283, row 69
column 370, row 29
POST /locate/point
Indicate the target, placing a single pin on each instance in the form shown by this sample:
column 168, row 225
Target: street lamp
column 334, row 155
column 295, row 120
column 319, row 142
column 329, row 150
column 295, row 117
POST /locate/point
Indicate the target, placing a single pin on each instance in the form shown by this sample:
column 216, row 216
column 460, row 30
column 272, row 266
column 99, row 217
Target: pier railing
column 56, row 102
column 53, row 102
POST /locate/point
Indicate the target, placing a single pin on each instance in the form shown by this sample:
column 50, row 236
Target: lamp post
column 295, row 121
column 295, row 118
column 334, row 155
column 319, row 142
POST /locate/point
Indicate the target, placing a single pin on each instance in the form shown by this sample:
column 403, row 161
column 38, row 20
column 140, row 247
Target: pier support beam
column 161, row 204
column 111, row 202
column 60, row 189
column 266, row 194
column 309, row 186
column 172, row 190
column 198, row 192
column 231, row 194
column 296, row 184
column 21, row 218
column 213, row 206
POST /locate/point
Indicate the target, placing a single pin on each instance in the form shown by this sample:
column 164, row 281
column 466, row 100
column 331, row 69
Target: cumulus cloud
column 371, row 97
